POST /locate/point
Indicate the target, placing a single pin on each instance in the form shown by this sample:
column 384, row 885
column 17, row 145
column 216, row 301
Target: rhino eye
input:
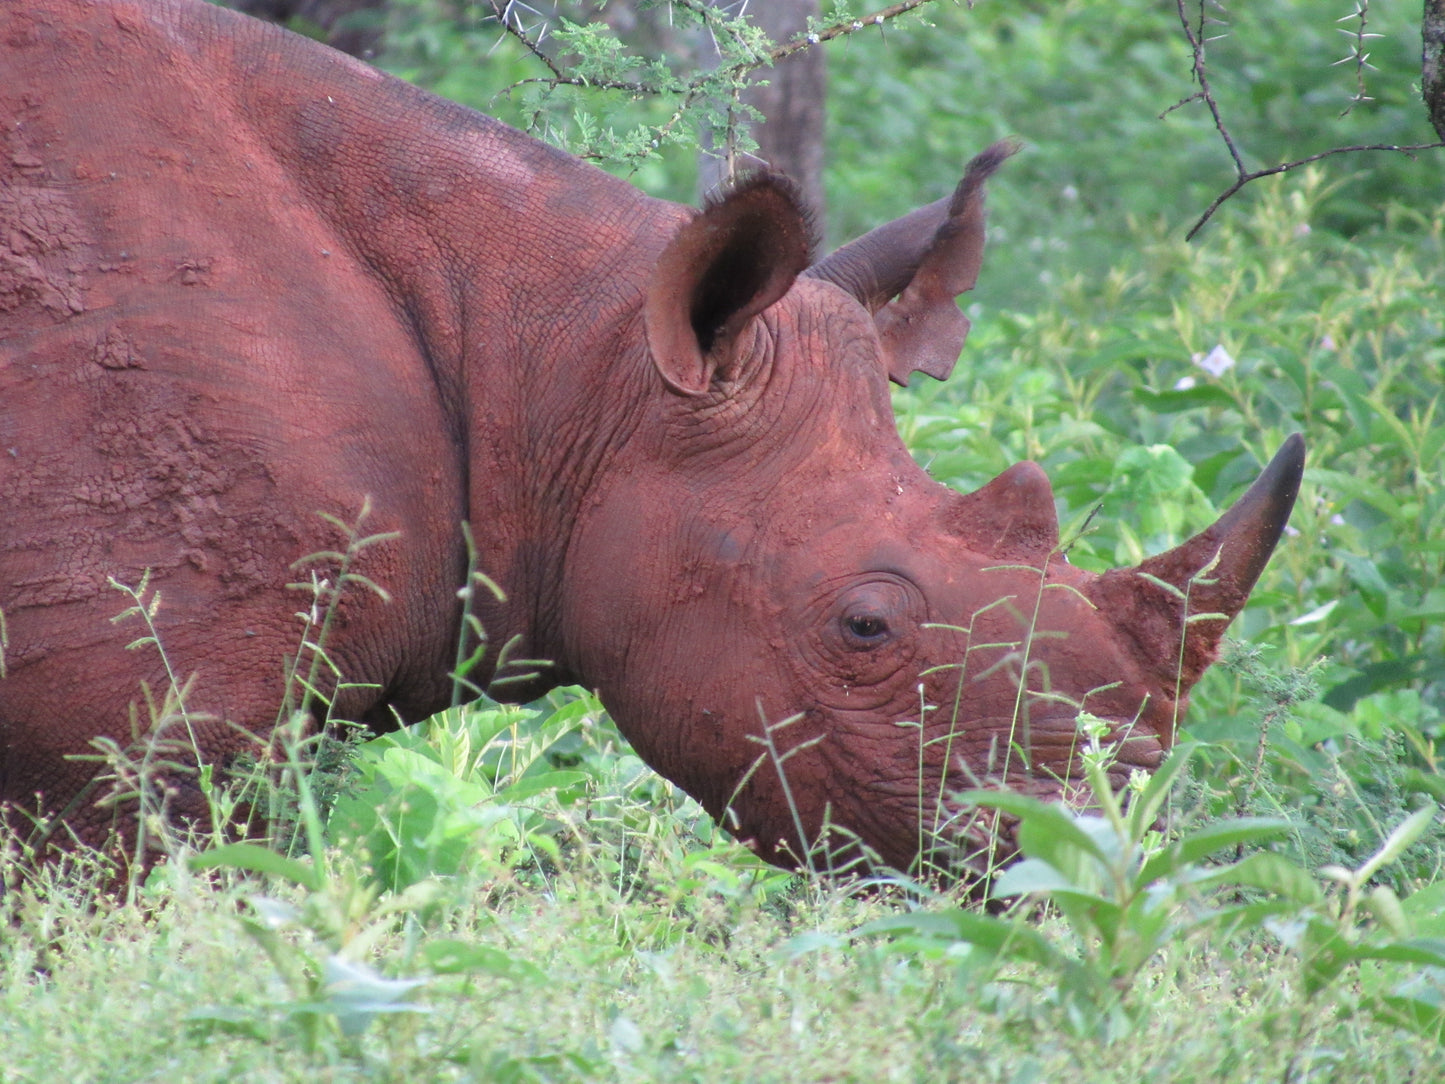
column 866, row 629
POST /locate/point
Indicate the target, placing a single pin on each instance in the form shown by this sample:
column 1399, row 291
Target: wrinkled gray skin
column 244, row 278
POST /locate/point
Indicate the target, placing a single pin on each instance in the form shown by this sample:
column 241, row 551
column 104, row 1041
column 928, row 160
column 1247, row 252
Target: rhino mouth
column 930, row 829
column 983, row 840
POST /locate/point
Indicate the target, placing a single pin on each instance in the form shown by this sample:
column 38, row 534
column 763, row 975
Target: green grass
column 686, row 969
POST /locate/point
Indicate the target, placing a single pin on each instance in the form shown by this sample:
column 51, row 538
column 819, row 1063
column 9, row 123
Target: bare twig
column 1245, row 178
column 1196, row 39
column 1194, row 33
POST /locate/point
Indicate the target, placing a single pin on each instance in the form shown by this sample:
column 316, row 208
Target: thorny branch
column 839, row 30
column 1195, row 32
column 510, row 18
column 1358, row 53
column 507, row 14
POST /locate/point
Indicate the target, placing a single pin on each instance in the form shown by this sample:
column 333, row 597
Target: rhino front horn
column 1189, row 595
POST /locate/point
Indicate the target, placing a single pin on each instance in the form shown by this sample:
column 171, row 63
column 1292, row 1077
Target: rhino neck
column 518, row 272
column 572, row 424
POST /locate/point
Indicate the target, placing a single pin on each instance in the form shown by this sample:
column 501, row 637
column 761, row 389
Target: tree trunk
column 353, row 26
column 790, row 136
column 1432, row 68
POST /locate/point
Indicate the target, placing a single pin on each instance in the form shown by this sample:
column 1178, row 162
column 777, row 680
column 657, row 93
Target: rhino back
column 244, row 280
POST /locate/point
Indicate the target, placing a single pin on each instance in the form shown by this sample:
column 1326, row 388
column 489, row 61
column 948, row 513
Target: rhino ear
column 736, row 257
column 925, row 260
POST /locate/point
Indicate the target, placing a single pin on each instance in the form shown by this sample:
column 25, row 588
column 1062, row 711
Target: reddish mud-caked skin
column 245, row 280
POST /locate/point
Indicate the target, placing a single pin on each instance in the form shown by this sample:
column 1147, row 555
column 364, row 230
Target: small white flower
column 1184, row 383
column 1216, row 363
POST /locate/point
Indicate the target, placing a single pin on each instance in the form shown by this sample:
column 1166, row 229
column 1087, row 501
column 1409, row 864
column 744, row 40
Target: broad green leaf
column 1385, row 906
column 1029, row 876
column 1324, row 960
column 940, row 924
column 274, row 914
column 1209, row 839
column 1423, row 951
column 1426, row 909
column 1269, row 872
column 1408, row 830
column 807, row 942
column 1250, row 916
column 258, row 859
column 1015, row 940
column 1421, row 1016
column 452, row 957
column 1055, row 825
column 532, row 785
column 1172, row 401
column 1144, row 808
column 225, row 1020
column 1090, row 914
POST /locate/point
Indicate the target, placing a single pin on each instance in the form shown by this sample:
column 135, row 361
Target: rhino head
column 792, row 621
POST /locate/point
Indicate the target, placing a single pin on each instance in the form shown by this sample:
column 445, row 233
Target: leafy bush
column 1125, row 895
column 1083, row 84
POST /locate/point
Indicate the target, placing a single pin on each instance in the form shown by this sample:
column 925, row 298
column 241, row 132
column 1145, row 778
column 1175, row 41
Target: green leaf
column 1406, row 833
column 1030, row 876
column 224, row 1020
column 1015, row 940
column 1201, row 395
column 1421, row 1016
column 356, row 993
column 273, row 914
column 810, row 941
column 532, row 785
column 1054, row 826
column 1385, row 906
column 1422, row 951
column 939, row 924
column 1144, row 808
column 1271, row 873
column 258, row 859
column 1210, row 839
column 452, row 957
column 1425, row 909
column 1326, row 954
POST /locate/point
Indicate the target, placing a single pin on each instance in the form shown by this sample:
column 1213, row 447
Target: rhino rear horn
column 1012, row 518
column 736, row 257
column 925, row 260
column 1200, row 586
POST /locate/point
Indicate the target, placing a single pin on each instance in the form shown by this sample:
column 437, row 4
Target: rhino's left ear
column 927, row 259
column 734, row 259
